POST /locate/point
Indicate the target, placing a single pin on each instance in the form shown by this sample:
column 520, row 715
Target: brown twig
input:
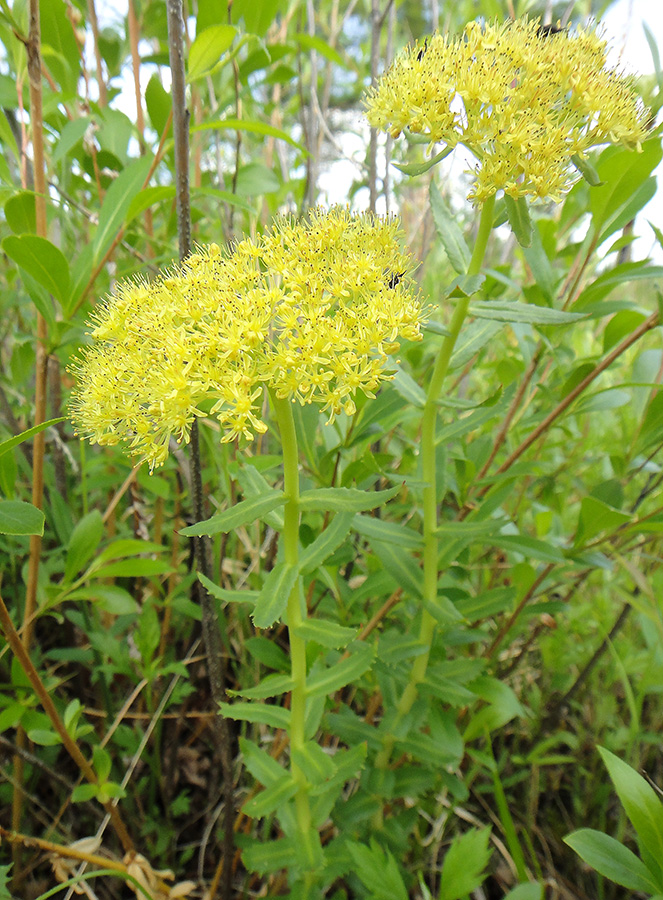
column 210, row 622
column 72, row 748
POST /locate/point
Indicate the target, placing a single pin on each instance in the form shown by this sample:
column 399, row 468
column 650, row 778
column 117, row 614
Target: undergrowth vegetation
column 373, row 610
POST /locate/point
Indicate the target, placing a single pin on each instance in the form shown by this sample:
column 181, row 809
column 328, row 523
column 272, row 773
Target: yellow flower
column 523, row 99
column 311, row 309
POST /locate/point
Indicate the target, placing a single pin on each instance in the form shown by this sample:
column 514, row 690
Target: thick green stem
column 428, row 423
column 296, row 613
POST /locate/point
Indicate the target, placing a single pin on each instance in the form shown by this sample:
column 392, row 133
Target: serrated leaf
column 228, row 596
column 378, row 871
column 329, row 634
column 269, row 856
column 317, row 765
column 346, row 670
column 387, row 532
column 270, row 686
column 345, row 499
column 464, row 864
column 207, row 49
column 238, row 515
column 531, row 891
column 18, row 517
column 258, row 713
column 271, row 797
column 449, row 232
column 260, row 764
column 401, row 566
column 273, row 598
column 519, row 219
column 326, row 543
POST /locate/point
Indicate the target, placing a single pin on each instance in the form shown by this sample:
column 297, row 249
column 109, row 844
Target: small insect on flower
column 422, row 50
column 548, row 30
column 395, row 279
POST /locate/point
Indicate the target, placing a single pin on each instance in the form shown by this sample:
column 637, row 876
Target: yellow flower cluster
column 523, row 97
column 309, row 309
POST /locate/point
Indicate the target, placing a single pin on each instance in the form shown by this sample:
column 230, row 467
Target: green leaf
column 503, row 707
column 310, row 42
column 254, row 126
column 158, row 103
column 10, row 443
column 419, row 168
column 147, row 198
column 464, row 864
column 329, row 634
column 518, row 214
column 273, row 598
column 134, row 568
column 345, row 499
column 257, row 713
column 82, row 544
column 587, row 170
column 387, row 532
column 271, row 686
column 269, row 856
column 260, row 764
column 84, row 792
column 596, row 517
column 272, row 797
column 643, row 808
column 402, row 567
column 326, row 543
column 317, row 765
column 228, row 596
column 268, row 653
column 488, row 603
column 42, row 260
column 449, row 232
column 17, row 517
column 473, row 338
column 529, row 547
column 611, row 859
column 20, row 211
column 117, row 202
column 513, row 311
column 207, row 49
column 102, row 762
column 623, row 173
column 531, row 891
column 408, row 388
column 44, row 738
column 237, row 515
column 327, row 681
column 378, row 871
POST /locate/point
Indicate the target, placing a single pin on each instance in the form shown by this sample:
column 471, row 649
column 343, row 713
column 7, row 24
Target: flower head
column 311, row 309
column 524, row 98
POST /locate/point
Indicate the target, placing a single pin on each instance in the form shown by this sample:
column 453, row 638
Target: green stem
column 428, row 423
column 296, row 613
